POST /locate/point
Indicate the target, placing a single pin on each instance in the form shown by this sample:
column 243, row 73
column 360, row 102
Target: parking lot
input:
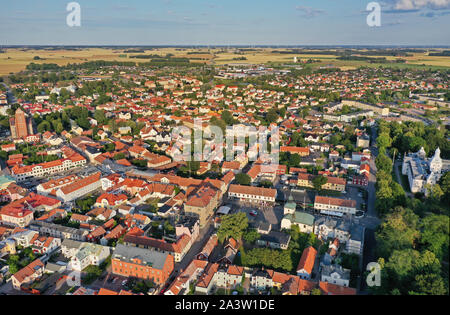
column 356, row 193
column 269, row 214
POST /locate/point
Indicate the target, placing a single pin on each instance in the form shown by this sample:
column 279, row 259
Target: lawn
column 403, row 179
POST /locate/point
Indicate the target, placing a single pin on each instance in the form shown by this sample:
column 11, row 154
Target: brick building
column 142, row 263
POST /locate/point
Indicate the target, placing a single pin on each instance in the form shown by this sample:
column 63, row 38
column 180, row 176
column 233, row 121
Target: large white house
column 89, row 254
column 422, row 171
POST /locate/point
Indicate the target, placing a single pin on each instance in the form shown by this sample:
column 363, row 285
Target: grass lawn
column 403, row 179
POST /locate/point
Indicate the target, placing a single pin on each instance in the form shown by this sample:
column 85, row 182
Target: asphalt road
column 11, row 98
column 371, row 220
column 195, row 249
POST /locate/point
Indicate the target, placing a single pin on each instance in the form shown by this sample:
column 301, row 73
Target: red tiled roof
column 81, row 183
column 334, row 289
column 28, row 271
column 335, row 201
column 295, row 150
column 307, row 260
column 255, row 191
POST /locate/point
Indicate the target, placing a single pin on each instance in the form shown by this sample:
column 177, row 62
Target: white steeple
column 422, row 154
column 436, row 162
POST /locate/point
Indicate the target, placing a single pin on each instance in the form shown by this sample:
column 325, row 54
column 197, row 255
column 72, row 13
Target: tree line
column 413, row 238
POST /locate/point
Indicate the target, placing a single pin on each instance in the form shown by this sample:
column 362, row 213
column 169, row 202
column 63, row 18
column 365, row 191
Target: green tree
column 232, row 225
column 119, row 156
column 435, row 235
column 431, row 284
column 319, row 181
column 316, row 291
column 44, row 126
column 384, row 141
column 219, row 123
column 294, row 160
column 243, row 179
column 444, row 183
column 271, row 116
column 251, row 235
column 383, row 163
column 266, row 184
column 398, row 230
column 227, row 117
column 99, row 115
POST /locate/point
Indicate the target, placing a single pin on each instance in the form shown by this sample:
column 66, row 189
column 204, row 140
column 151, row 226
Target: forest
column 413, row 238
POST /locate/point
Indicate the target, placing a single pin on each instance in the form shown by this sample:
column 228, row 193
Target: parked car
column 253, row 213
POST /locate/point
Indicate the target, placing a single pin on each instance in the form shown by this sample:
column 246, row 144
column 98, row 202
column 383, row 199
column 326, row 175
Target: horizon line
column 230, row 45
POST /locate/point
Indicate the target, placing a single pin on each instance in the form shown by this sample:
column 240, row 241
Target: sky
column 225, row 22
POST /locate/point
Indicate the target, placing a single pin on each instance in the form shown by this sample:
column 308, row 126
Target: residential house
column 274, row 239
column 88, row 254
column 335, row 274
column 306, row 263
column 28, row 274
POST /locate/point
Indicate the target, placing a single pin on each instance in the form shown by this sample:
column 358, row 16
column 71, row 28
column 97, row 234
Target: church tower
column 422, row 154
column 436, row 162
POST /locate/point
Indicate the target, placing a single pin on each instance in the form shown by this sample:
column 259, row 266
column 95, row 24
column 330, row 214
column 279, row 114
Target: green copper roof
column 290, row 205
column 300, row 217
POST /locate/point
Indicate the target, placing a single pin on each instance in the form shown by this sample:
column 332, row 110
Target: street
column 372, row 221
column 397, row 167
column 11, row 98
column 195, row 249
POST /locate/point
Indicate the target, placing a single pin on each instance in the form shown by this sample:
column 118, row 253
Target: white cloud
column 310, row 12
column 420, row 4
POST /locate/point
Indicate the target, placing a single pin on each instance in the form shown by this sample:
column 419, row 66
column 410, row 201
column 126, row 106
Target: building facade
column 142, row 263
column 21, row 126
column 422, row 171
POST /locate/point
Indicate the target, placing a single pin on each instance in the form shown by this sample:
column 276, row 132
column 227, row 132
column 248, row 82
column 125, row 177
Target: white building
column 303, row 220
column 89, row 254
column 422, row 171
column 79, row 188
column 329, row 205
column 23, row 173
column 355, row 243
column 59, row 231
column 335, row 274
column 252, row 194
column 327, row 228
column 47, row 187
column 24, row 238
column 69, row 247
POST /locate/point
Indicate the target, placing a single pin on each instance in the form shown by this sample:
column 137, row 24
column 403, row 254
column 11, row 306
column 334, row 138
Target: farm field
column 15, row 59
